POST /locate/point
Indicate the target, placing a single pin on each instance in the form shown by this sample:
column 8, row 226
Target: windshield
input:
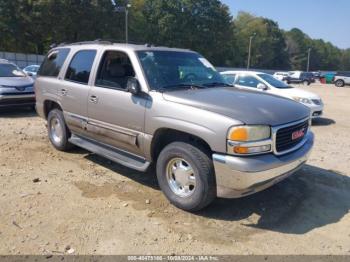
column 273, row 81
column 168, row 69
column 9, row 70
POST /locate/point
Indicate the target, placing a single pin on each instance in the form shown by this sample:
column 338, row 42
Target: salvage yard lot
column 53, row 202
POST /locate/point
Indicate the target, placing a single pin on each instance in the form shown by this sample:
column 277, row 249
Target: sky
column 325, row 19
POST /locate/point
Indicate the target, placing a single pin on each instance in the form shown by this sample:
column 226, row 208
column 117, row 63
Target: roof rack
column 101, row 42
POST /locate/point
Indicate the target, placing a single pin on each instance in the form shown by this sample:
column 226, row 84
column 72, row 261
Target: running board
column 112, row 153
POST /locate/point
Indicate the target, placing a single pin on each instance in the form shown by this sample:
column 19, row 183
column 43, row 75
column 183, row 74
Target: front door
column 116, row 117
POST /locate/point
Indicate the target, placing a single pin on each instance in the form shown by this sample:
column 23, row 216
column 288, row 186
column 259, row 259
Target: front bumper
column 316, row 111
column 241, row 176
column 17, row 100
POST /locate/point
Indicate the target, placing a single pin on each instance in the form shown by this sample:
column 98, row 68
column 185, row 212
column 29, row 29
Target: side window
column 53, row 62
column 114, row 70
column 230, row 78
column 248, row 81
column 80, row 67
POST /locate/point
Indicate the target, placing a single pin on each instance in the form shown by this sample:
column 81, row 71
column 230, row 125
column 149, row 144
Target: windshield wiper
column 180, row 86
column 213, row 84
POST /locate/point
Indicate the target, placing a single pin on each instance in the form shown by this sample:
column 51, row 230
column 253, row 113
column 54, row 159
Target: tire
column 191, row 157
column 58, row 131
column 339, row 83
column 306, row 83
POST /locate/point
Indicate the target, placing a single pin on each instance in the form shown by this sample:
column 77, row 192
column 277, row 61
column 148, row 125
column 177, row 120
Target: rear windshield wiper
column 213, row 84
column 180, row 86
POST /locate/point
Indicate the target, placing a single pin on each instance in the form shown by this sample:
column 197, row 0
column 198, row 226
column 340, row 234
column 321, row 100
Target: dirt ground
column 54, row 203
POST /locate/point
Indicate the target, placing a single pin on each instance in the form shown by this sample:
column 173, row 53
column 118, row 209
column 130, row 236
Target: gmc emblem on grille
column 298, row 134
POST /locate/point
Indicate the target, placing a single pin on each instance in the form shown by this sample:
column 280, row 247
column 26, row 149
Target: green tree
column 203, row 25
column 268, row 45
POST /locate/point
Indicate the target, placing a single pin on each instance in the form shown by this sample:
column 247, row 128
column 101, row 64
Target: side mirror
column 262, row 87
column 30, row 74
column 133, row 86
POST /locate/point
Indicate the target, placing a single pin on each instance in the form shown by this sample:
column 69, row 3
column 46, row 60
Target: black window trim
column 99, row 65
column 56, row 50
column 70, row 61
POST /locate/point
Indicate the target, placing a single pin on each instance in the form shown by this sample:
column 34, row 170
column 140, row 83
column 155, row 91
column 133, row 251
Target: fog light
column 251, row 150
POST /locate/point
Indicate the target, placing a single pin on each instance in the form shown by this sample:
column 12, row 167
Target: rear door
column 73, row 89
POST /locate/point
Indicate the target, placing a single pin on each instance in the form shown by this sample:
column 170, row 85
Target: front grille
column 317, row 101
column 284, row 136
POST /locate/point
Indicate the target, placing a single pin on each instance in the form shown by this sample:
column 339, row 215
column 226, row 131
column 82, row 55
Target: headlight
column 249, row 133
column 302, row 100
column 249, row 140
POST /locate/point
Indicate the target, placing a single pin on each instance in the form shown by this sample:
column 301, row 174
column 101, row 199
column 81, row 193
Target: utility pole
column 124, row 9
column 308, row 59
column 250, row 49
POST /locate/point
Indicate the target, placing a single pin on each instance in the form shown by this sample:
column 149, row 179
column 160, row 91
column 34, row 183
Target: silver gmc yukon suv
column 138, row 104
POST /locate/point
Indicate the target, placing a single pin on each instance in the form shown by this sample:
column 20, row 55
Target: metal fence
column 22, row 60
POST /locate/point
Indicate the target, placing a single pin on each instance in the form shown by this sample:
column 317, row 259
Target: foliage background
column 206, row 26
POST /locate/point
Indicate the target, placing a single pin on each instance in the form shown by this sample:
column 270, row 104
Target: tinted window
column 114, row 70
column 80, row 67
column 249, row 81
column 53, row 62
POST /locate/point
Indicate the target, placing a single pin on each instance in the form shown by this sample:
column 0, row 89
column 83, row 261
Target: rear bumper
column 241, row 176
column 17, row 100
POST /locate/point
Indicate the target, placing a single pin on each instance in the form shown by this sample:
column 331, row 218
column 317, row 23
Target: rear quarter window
column 53, row 62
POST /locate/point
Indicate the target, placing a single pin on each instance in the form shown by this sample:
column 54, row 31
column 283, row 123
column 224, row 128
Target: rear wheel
column 339, row 83
column 186, row 176
column 58, row 130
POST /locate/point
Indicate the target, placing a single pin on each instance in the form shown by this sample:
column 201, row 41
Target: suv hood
column 16, row 81
column 249, row 107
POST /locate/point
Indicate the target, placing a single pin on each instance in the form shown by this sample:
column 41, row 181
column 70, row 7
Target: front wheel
column 186, row 176
column 58, row 131
column 339, row 83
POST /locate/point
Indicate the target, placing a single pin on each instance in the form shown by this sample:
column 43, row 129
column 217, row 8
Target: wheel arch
column 50, row 105
column 164, row 136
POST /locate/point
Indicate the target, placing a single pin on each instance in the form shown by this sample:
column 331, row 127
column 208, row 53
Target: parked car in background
column 137, row 105
column 341, row 79
column 16, row 88
column 282, row 76
column 31, row 70
column 317, row 75
column 299, row 77
column 264, row 82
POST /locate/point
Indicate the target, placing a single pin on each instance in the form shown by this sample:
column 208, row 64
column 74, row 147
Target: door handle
column 94, row 99
column 64, row 92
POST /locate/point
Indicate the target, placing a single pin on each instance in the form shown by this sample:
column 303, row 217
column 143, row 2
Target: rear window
column 53, row 62
column 80, row 66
